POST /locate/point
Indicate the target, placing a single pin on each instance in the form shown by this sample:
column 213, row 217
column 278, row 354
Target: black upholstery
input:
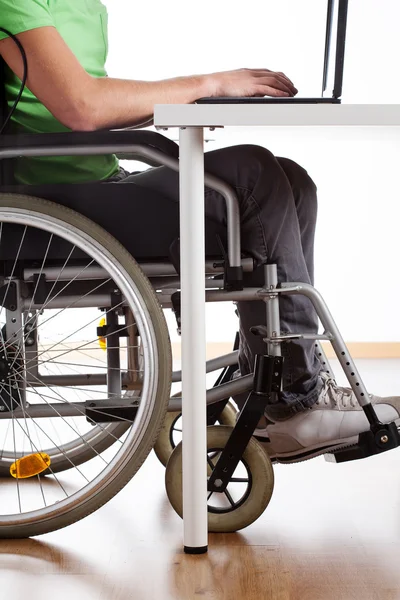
column 2, row 93
column 5, row 165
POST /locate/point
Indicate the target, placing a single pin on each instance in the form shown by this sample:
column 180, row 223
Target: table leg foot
column 198, row 550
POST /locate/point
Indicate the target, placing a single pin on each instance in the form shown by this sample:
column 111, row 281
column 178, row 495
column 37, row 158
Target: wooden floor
column 331, row 532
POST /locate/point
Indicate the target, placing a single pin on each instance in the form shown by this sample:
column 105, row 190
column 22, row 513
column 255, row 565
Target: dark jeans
column 278, row 207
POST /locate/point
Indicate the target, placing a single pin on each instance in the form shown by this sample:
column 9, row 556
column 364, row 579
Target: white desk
column 191, row 119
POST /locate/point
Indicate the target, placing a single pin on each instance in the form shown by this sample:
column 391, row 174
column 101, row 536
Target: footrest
column 369, row 444
column 109, row 414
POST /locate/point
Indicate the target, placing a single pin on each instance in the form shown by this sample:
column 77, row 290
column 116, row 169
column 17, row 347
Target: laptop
column 335, row 41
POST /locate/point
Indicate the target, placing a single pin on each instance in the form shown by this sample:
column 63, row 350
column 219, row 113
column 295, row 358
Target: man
column 66, row 46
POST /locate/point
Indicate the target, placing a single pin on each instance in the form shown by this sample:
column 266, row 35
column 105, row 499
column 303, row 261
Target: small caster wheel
column 246, row 496
column 171, row 432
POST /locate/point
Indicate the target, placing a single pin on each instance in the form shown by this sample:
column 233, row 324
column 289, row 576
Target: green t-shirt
column 83, row 26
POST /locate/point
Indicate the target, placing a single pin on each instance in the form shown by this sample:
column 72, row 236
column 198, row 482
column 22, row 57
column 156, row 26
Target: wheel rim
column 127, row 445
column 174, row 440
column 231, row 497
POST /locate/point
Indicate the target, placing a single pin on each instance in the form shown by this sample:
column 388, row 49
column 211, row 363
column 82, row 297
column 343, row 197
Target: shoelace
column 331, row 393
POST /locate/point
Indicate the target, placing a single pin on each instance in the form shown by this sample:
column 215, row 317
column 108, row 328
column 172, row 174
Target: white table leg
column 191, row 180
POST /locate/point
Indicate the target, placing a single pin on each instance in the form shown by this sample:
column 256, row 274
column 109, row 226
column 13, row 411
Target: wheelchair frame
column 157, row 273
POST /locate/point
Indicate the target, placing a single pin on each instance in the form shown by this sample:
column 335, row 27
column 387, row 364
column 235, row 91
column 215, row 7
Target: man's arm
column 84, row 103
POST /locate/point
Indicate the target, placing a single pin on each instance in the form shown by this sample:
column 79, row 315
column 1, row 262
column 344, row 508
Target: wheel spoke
column 210, row 463
column 36, row 449
column 24, row 336
column 71, row 364
column 13, row 269
column 77, row 331
column 51, row 442
column 15, row 453
column 22, row 405
column 82, row 412
column 69, row 305
column 74, row 430
column 227, row 494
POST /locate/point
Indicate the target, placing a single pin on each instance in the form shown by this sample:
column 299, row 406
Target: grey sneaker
column 335, row 420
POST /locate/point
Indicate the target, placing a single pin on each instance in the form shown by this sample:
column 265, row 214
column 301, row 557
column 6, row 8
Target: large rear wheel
column 59, row 388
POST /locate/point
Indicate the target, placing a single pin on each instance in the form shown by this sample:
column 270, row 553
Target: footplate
column 385, row 438
column 100, row 413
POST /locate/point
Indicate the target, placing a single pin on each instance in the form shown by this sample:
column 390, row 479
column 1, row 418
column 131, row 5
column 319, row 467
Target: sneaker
column 335, row 420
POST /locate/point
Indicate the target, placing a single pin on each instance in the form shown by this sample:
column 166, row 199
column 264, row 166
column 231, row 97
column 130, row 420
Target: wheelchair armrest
column 147, row 146
column 105, row 141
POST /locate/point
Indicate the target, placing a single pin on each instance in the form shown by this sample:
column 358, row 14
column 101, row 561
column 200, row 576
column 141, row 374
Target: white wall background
column 358, row 237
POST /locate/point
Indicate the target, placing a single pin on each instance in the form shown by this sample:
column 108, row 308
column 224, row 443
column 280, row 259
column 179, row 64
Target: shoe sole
column 307, row 453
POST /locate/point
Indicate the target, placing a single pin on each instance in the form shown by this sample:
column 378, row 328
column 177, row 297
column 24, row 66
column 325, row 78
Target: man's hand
column 250, row 82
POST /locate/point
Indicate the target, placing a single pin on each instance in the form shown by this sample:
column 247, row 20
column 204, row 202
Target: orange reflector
column 30, row 465
column 102, row 340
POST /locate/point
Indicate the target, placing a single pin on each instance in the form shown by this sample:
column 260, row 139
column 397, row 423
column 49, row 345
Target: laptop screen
column 336, row 24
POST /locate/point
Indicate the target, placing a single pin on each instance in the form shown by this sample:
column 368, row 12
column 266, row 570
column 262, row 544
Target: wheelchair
column 85, row 357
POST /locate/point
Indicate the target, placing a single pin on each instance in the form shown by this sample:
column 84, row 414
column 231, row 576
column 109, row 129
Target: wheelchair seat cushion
column 142, row 220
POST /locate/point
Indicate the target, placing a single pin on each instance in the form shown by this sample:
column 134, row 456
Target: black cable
column 24, row 78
